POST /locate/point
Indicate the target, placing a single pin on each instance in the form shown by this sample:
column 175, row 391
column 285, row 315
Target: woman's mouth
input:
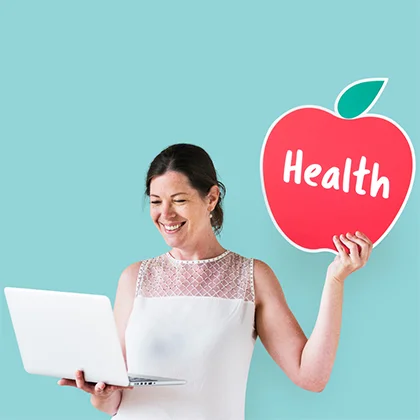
column 173, row 228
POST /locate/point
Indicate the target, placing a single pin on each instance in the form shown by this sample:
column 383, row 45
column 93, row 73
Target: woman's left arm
column 307, row 362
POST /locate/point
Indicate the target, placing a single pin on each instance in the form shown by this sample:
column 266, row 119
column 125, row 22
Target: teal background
column 91, row 91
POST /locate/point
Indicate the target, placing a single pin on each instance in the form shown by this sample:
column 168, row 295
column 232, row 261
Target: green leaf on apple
column 359, row 97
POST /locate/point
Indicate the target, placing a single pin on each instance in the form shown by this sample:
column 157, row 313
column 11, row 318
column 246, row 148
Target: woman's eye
column 154, row 202
column 180, row 201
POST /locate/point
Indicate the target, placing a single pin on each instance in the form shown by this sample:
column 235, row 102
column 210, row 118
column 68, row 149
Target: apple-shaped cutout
column 327, row 173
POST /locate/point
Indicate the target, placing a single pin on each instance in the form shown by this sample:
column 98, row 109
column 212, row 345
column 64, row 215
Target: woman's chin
column 174, row 241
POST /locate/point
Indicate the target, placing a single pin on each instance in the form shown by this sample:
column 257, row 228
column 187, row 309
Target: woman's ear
column 213, row 197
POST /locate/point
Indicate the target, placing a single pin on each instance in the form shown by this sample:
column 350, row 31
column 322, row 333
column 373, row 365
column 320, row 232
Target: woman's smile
column 173, row 227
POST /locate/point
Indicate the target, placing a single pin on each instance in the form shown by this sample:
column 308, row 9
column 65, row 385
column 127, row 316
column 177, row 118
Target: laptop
column 59, row 332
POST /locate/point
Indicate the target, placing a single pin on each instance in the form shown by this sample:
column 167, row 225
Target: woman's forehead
column 170, row 183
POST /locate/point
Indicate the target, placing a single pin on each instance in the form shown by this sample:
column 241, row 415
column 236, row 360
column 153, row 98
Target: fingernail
column 349, row 235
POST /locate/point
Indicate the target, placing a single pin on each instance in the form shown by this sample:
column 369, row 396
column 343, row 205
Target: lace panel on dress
column 228, row 276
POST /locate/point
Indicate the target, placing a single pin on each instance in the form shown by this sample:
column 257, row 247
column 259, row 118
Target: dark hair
column 195, row 163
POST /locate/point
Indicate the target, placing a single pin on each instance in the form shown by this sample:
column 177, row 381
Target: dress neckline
column 208, row 260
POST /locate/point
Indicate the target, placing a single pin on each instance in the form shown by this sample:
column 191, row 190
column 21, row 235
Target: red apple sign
column 325, row 173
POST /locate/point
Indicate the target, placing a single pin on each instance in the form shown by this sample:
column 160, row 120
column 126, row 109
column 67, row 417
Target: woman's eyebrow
column 173, row 195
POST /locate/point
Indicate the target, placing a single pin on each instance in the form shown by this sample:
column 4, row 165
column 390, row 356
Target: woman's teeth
column 173, row 228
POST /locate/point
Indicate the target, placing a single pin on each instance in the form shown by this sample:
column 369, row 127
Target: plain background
column 91, row 91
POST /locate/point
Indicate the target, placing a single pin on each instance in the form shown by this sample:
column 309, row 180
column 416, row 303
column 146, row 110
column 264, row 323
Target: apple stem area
column 331, row 177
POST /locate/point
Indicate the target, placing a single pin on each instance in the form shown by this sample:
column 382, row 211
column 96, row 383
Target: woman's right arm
column 123, row 306
column 105, row 397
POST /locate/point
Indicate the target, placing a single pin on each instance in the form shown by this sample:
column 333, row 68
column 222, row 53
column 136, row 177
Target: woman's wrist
column 336, row 279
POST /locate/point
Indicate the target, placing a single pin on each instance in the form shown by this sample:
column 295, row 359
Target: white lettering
column 360, row 175
column 376, row 183
column 346, row 176
column 311, row 172
column 332, row 178
column 289, row 168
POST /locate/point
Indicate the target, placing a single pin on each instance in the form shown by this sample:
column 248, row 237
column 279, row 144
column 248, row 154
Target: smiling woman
column 196, row 165
column 196, row 311
column 186, row 200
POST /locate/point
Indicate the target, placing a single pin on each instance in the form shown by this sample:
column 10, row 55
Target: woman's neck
column 202, row 251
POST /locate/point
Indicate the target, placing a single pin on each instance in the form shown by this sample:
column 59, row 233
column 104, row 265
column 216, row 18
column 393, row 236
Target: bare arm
column 319, row 352
column 105, row 397
column 122, row 309
column 307, row 362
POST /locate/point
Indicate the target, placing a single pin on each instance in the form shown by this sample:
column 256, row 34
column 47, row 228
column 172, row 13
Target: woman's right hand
column 99, row 389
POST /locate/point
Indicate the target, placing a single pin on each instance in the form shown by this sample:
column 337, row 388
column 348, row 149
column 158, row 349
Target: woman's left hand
column 344, row 264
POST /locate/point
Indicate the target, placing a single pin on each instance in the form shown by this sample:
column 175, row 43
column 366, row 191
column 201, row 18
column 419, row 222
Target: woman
column 195, row 312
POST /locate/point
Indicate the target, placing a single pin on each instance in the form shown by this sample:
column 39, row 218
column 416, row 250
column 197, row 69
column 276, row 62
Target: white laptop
column 59, row 333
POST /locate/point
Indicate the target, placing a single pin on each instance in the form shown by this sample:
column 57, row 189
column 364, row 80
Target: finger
column 82, row 384
column 118, row 388
column 364, row 246
column 80, row 378
column 100, row 388
column 339, row 247
column 364, row 237
column 67, row 382
column 369, row 242
column 352, row 246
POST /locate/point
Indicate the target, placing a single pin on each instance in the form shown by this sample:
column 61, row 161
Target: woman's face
column 181, row 215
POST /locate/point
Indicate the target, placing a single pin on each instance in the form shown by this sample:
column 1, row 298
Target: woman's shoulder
column 260, row 269
column 259, row 265
column 266, row 283
column 131, row 272
column 133, row 267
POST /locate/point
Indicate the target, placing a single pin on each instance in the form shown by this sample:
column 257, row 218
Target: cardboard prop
column 327, row 173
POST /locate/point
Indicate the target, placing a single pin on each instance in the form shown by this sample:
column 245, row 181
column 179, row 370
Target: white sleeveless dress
column 192, row 320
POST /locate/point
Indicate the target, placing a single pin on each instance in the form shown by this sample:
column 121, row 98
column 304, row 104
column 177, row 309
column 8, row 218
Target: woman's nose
column 168, row 211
